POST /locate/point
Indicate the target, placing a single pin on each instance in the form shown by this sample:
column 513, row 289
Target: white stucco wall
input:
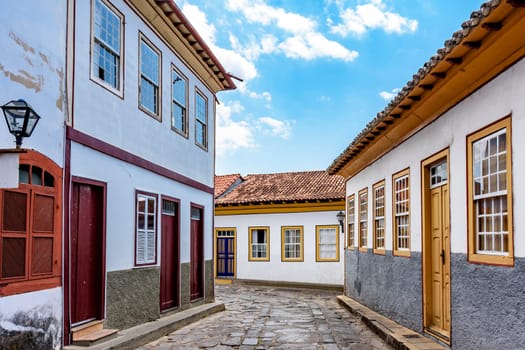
column 118, row 121
column 308, row 271
column 32, row 67
column 500, row 97
column 122, row 181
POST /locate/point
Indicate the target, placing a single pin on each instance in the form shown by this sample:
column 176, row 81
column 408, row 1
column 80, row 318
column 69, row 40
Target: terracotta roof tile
column 286, row 187
column 223, row 182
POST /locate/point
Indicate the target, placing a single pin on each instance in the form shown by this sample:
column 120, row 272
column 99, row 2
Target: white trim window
column 201, row 120
column 259, row 244
column 490, row 193
column 149, row 78
column 179, row 98
column 146, row 232
column 402, row 213
column 292, row 243
column 327, row 243
column 379, row 216
column 107, row 44
column 351, row 221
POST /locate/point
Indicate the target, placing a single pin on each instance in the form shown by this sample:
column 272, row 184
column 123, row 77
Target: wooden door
column 437, row 252
column 87, row 233
column 225, row 257
column 197, row 255
column 169, row 263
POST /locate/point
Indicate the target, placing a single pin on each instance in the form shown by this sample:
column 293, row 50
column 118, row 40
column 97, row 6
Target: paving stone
column 273, row 318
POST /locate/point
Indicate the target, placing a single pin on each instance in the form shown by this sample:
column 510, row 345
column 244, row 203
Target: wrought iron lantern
column 21, row 119
column 341, row 218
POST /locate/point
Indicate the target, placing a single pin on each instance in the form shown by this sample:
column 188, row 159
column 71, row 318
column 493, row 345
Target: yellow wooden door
column 439, row 320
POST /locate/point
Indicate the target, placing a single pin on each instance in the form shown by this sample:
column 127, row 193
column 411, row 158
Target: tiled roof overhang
column 166, row 17
column 488, row 43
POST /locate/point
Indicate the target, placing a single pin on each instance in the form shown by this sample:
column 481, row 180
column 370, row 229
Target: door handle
column 442, row 257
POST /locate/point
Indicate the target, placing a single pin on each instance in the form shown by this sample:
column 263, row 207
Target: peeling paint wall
column 32, row 67
column 31, row 320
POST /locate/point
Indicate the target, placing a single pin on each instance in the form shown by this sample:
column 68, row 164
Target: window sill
column 11, row 288
column 491, row 260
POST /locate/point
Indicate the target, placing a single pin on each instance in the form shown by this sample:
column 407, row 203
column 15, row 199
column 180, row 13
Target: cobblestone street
column 259, row 317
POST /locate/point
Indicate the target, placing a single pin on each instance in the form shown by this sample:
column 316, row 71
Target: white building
column 279, row 228
column 434, row 191
column 126, row 91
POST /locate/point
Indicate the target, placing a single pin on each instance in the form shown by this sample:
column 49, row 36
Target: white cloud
column 279, row 128
column 372, row 15
column 387, row 96
column 199, row 21
column 232, row 135
column 300, row 39
column 324, row 98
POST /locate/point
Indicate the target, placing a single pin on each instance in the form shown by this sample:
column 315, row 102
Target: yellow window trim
column 317, row 232
column 279, row 208
column 362, row 248
column 348, row 245
column 377, row 250
column 473, row 256
column 250, row 229
column 396, row 251
column 301, row 255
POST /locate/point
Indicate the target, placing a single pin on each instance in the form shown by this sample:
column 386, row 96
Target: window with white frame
column 201, row 120
column 490, row 205
column 327, row 242
column 350, row 207
column 149, row 91
column 292, row 243
column 259, row 242
column 379, row 217
column 179, row 98
column 106, row 65
column 363, row 219
column 146, row 229
column 401, row 194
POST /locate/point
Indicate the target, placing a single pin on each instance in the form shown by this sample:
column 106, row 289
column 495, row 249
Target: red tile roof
column 223, row 182
column 286, row 187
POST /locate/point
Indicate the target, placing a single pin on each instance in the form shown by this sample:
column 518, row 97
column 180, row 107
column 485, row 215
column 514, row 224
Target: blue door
column 225, row 253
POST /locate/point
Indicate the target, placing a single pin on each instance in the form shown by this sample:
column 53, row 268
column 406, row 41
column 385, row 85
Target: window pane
column 43, row 213
column 15, row 211
column 13, row 257
column 149, row 63
column 23, row 174
column 179, row 89
column 42, row 258
column 148, row 95
column 327, row 243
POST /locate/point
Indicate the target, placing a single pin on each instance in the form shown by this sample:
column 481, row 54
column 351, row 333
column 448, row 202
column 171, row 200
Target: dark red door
column 87, row 217
column 197, row 255
column 169, row 263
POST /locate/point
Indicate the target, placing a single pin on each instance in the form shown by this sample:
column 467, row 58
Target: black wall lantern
column 341, row 218
column 21, row 119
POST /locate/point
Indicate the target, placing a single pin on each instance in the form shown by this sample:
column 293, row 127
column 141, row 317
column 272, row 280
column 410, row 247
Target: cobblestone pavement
column 264, row 318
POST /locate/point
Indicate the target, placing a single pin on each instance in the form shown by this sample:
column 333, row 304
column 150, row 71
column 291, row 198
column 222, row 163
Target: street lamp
column 341, row 218
column 21, row 119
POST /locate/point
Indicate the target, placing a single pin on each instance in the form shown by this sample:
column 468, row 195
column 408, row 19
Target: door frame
column 426, row 249
column 203, row 267
column 177, row 252
column 67, row 259
column 234, row 229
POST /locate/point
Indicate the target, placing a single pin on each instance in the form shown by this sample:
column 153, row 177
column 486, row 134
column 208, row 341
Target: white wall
column 32, row 67
column 502, row 96
column 308, row 271
column 122, row 180
column 120, row 122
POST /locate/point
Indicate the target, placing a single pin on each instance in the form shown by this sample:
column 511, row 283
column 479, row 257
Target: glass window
column 201, row 120
column 350, row 207
column 149, row 78
column 379, row 217
column 292, row 243
column 401, row 194
column 259, row 244
column 107, row 29
column 179, row 119
column 363, row 219
column 146, row 232
column 490, row 212
column 327, row 239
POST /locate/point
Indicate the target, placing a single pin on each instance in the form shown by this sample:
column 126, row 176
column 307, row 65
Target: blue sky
column 314, row 71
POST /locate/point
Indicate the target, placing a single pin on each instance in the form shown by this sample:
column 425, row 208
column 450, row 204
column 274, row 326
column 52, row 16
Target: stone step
column 95, row 337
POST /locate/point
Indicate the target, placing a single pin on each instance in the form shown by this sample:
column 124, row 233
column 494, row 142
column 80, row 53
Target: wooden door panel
column 196, row 260
column 86, row 253
column 169, row 275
